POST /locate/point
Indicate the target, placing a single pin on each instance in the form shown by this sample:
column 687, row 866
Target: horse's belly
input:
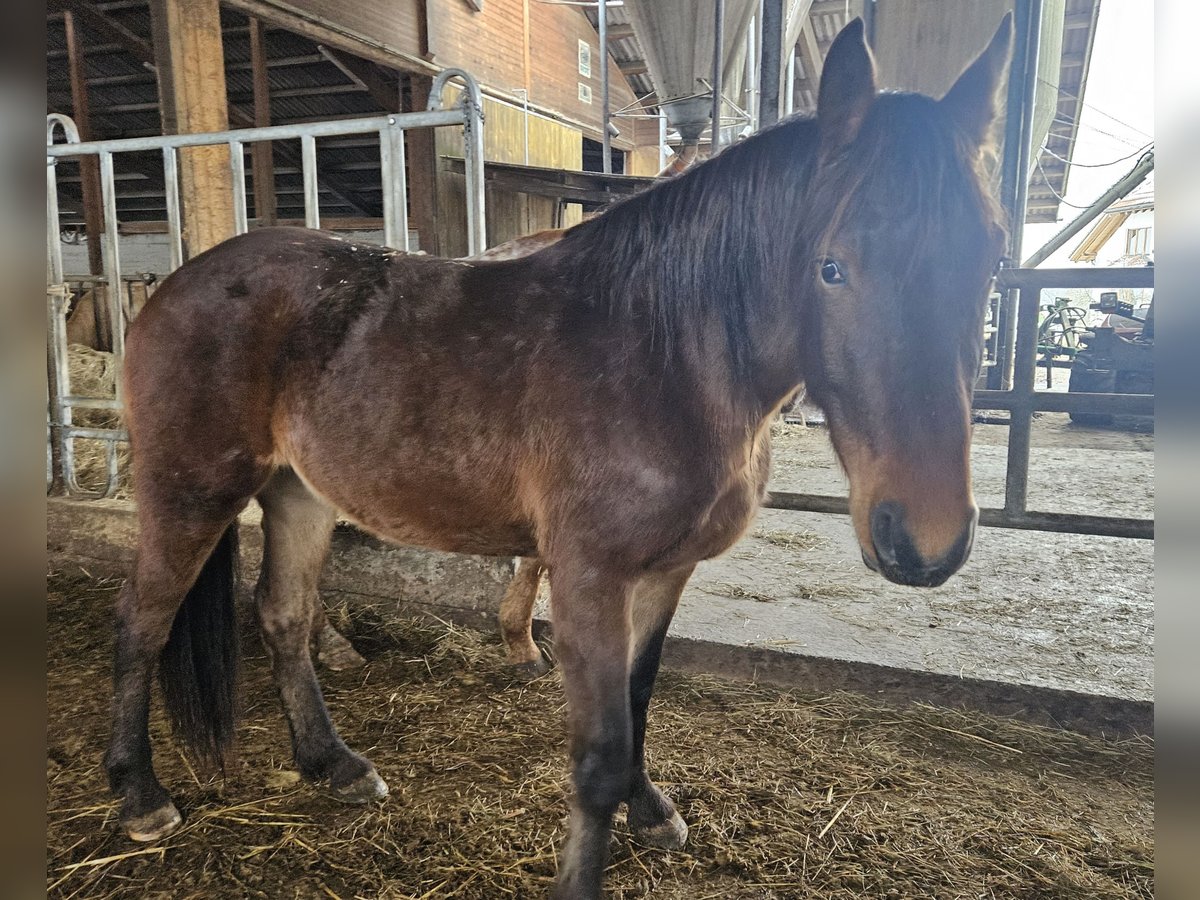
column 406, row 505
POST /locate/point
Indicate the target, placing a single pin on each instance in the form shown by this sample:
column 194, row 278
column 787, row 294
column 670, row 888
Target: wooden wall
column 552, row 145
column 491, row 44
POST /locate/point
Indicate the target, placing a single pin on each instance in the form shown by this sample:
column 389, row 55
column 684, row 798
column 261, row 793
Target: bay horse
column 603, row 404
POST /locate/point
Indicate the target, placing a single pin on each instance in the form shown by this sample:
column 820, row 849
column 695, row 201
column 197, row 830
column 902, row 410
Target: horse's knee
column 602, row 774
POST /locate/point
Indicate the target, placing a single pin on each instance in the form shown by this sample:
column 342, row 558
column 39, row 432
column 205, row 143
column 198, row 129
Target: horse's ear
column 971, row 100
column 847, row 87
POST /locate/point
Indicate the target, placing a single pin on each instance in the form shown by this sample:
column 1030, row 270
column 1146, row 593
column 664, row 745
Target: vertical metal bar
column 54, row 262
column 1016, row 479
column 662, row 140
column 171, row 189
column 770, row 59
column 1014, row 171
column 112, row 262
column 789, row 92
column 237, row 168
column 55, row 310
column 312, row 201
column 749, row 88
column 605, row 137
column 718, row 57
column 395, row 188
column 473, row 135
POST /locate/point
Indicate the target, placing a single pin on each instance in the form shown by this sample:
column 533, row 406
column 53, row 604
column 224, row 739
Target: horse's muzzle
column 897, row 558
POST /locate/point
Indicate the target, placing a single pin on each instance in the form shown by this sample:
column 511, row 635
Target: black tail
column 198, row 667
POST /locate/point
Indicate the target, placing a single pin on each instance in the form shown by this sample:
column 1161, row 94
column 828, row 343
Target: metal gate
column 62, row 403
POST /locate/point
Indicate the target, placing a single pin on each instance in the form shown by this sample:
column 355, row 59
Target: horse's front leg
column 590, row 611
column 652, row 816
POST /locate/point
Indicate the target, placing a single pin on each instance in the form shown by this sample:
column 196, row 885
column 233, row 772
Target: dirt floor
column 787, row 795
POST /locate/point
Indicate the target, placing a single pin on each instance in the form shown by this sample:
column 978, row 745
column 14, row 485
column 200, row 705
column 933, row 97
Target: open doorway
column 593, row 158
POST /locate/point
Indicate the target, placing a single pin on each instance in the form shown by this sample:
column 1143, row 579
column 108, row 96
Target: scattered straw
column 788, row 795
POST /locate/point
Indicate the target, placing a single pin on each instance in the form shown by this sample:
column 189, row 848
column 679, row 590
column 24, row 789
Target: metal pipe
column 395, row 188
column 790, row 88
column 237, row 167
column 435, row 118
column 718, row 58
column 56, row 311
column 1016, row 479
column 1018, row 130
column 770, row 58
column 112, row 262
column 662, row 140
column 471, row 110
column 1052, row 401
column 605, row 137
column 1107, row 526
column 1123, row 187
column 171, row 194
column 1116, row 277
column 312, row 197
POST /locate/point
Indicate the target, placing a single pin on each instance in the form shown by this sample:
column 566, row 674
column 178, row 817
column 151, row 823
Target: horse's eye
column 831, row 272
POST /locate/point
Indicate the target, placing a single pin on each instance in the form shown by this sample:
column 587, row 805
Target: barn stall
column 910, row 785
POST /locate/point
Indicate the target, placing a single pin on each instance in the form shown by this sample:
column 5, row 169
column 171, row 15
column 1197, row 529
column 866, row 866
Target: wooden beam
column 89, row 165
column 367, row 76
column 192, row 97
column 617, row 32
column 633, row 67
column 262, row 159
column 95, row 20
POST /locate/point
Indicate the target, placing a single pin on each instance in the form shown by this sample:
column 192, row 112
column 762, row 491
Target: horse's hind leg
column 296, row 531
column 172, row 550
column 652, row 816
column 333, row 650
column 516, row 618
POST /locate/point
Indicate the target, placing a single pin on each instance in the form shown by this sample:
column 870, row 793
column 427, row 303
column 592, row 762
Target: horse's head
column 907, row 241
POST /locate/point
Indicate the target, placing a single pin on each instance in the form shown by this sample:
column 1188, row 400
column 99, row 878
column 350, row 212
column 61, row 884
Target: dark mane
column 700, row 241
column 728, row 230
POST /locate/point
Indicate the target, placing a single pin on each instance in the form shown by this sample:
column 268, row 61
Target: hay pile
column 787, row 795
column 94, row 374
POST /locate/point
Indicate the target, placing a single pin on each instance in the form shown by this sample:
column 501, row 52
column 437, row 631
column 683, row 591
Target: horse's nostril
column 887, row 529
column 899, row 559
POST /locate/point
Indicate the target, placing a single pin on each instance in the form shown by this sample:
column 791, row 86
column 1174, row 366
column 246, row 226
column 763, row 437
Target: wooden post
column 422, row 171
column 265, row 207
column 191, row 86
column 89, row 165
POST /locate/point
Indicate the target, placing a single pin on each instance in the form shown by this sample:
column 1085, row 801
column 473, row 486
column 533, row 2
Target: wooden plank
column 192, row 94
column 262, row 159
column 89, row 166
column 420, row 153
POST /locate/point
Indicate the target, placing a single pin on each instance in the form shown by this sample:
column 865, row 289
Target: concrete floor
column 1070, row 613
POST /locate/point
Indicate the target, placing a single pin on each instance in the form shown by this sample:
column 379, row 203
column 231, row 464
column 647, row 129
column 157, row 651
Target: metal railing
column 1022, row 401
column 62, row 432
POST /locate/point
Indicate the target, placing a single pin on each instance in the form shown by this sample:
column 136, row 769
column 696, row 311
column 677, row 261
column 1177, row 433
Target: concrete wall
column 100, row 535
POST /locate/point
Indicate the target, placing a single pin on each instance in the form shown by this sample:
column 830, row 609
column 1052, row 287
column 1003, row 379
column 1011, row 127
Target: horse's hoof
column 669, row 835
column 534, row 668
column 364, row 789
column 153, row 826
column 336, row 653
